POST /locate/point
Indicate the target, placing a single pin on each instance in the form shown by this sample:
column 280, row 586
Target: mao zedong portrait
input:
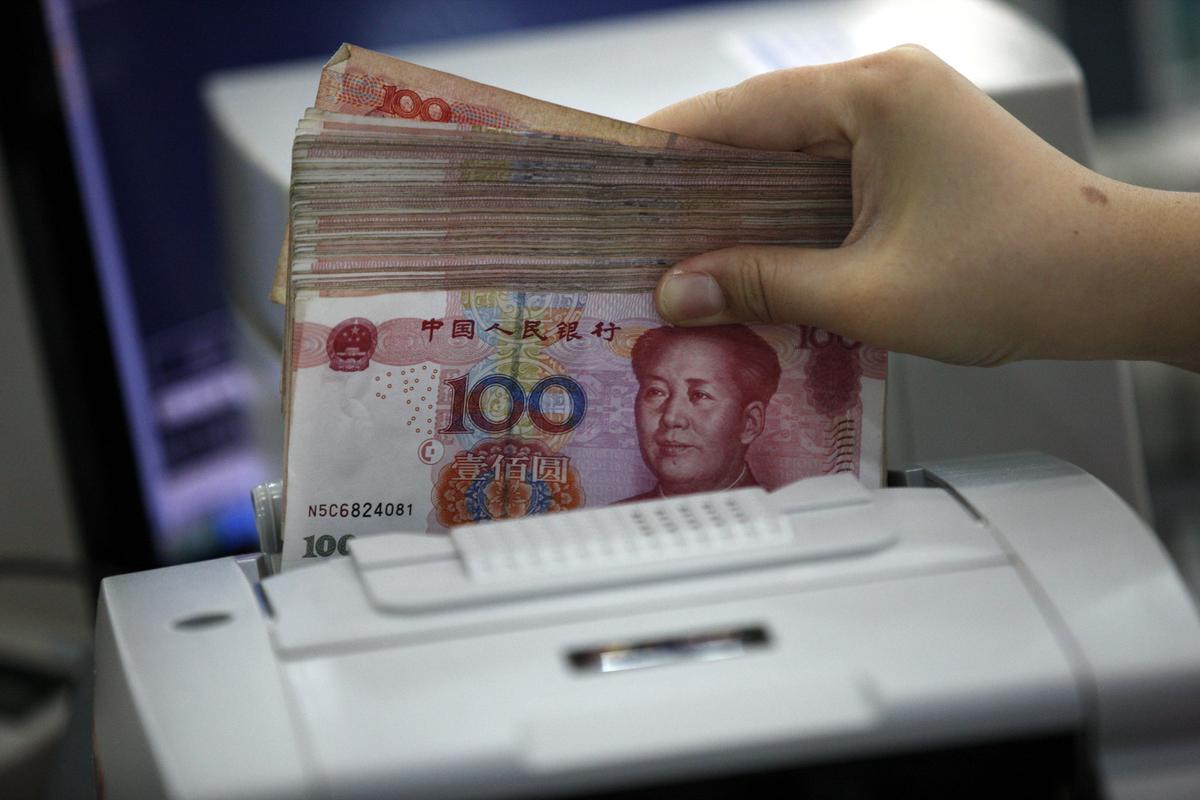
column 702, row 400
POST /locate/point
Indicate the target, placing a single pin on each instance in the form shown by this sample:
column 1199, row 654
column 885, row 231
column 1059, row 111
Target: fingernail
column 690, row 295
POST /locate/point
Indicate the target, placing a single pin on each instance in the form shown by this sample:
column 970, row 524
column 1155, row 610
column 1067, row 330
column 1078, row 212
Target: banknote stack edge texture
column 468, row 278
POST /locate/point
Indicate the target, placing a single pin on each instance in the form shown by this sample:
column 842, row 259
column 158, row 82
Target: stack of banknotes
column 472, row 334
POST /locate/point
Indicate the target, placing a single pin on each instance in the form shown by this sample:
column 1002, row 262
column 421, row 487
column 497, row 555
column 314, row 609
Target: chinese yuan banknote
column 420, row 411
column 471, row 332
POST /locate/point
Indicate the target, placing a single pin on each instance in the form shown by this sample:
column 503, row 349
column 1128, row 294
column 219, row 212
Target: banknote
column 471, row 328
column 361, row 82
column 422, row 410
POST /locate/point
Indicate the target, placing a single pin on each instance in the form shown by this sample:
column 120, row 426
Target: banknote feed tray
column 621, row 546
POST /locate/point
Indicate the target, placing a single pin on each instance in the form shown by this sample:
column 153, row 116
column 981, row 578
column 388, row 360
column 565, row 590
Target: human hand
column 974, row 241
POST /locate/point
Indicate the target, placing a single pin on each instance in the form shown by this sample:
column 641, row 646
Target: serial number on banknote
column 364, row 509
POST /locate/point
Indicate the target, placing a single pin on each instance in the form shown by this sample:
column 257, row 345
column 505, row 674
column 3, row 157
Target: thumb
column 755, row 284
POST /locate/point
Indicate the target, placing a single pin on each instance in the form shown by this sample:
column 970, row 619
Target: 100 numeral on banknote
column 420, row 411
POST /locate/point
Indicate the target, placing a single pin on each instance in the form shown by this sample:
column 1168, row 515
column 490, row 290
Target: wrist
column 1162, row 256
column 1133, row 289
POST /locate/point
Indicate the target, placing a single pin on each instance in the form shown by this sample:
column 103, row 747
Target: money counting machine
column 1002, row 626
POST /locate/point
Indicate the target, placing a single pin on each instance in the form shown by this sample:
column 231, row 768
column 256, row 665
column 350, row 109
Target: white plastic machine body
column 841, row 641
column 628, row 67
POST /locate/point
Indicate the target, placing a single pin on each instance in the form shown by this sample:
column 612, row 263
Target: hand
column 974, row 241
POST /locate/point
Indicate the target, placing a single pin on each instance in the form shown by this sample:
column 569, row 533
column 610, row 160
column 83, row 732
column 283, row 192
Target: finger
column 757, row 284
column 804, row 108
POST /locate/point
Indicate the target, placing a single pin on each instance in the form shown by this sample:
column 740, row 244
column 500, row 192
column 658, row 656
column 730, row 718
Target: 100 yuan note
column 360, row 82
column 418, row 411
